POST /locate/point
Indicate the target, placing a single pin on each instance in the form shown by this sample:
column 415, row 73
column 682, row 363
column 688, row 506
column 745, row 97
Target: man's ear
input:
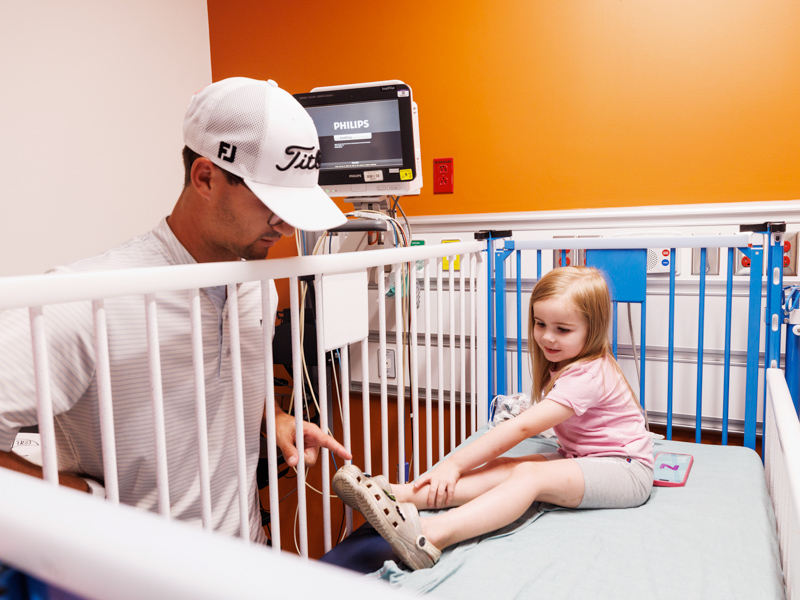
column 202, row 176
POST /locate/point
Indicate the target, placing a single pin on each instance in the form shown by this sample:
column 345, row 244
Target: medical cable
column 633, row 345
column 636, row 363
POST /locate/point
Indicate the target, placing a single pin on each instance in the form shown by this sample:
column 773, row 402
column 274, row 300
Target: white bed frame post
column 782, row 464
column 482, row 334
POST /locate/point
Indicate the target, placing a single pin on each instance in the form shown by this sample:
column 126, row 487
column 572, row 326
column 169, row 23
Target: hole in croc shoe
column 377, row 497
column 386, row 511
column 394, row 524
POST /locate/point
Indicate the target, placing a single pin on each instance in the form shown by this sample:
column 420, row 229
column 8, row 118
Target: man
column 251, row 168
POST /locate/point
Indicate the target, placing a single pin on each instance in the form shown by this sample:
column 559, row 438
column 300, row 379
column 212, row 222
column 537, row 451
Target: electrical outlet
column 790, row 254
column 442, row 175
column 574, row 257
column 391, row 365
column 712, row 261
column 742, row 263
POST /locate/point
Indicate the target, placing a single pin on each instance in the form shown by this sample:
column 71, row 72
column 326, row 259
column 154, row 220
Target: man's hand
column 12, row 461
column 313, row 439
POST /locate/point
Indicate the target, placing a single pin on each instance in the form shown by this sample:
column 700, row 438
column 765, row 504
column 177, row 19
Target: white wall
column 91, row 112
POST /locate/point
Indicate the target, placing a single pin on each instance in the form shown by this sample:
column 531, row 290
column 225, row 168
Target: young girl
column 606, row 455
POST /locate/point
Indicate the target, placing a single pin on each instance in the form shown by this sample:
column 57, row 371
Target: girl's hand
column 442, row 484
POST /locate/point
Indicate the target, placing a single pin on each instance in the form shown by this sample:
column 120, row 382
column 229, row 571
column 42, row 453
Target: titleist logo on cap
column 305, row 154
column 301, row 157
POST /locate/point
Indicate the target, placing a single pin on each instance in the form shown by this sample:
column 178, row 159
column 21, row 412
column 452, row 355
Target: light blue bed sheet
column 713, row 538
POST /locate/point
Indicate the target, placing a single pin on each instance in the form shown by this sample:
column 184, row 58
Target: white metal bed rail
column 782, row 464
column 37, row 292
column 95, row 550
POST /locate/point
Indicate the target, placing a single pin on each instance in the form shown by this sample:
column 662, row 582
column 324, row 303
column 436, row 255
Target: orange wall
column 556, row 104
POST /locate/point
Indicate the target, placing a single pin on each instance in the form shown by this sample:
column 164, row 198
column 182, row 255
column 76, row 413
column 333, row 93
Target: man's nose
column 284, row 228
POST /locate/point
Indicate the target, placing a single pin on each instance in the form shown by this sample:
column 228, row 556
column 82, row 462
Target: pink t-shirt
column 607, row 419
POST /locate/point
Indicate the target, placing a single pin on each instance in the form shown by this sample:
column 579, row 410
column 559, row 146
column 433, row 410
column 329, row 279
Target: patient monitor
column 369, row 139
column 369, row 155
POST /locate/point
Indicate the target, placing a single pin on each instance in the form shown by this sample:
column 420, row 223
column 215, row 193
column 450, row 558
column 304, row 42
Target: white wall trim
column 682, row 215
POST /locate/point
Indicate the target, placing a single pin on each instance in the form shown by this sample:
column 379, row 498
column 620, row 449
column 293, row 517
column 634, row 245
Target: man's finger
column 289, row 455
column 321, row 439
column 311, row 453
column 284, row 433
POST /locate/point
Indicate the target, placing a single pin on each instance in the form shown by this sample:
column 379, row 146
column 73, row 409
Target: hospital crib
column 452, row 328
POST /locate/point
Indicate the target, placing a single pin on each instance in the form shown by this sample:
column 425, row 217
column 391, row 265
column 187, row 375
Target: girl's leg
column 469, row 486
column 558, row 482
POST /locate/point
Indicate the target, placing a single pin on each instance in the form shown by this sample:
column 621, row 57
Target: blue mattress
column 713, row 538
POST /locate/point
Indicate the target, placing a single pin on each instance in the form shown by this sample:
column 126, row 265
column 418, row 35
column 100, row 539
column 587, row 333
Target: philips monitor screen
column 368, row 138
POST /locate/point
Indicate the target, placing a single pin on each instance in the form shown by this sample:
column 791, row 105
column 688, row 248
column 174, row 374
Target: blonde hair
column 585, row 290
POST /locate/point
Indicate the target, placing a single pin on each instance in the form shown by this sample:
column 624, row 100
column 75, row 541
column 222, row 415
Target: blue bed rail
column 623, row 260
column 791, row 312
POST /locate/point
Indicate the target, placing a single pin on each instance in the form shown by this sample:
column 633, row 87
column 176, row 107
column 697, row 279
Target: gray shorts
column 612, row 481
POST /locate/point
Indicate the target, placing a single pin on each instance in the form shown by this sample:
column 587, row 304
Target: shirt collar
column 176, row 253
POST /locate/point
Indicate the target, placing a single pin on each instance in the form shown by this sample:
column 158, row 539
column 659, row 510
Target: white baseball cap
column 258, row 131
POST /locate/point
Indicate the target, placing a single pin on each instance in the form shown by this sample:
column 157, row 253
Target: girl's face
column 558, row 330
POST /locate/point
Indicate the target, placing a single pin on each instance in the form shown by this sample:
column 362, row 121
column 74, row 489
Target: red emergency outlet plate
column 442, row 175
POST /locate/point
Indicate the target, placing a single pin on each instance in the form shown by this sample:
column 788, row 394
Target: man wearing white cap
column 252, row 164
column 260, row 133
column 251, row 168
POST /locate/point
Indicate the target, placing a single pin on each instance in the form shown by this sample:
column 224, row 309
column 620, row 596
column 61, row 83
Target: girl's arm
column 540, row 417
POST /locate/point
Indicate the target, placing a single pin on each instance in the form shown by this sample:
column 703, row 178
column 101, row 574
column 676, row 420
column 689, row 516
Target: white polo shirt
column 74, row 386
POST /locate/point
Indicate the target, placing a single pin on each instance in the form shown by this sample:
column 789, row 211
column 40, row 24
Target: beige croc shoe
column 347, row 481
column 399, row 524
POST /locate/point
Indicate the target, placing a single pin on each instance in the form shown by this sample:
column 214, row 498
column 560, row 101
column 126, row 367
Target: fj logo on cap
column 227, row 152
column 302, row 157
